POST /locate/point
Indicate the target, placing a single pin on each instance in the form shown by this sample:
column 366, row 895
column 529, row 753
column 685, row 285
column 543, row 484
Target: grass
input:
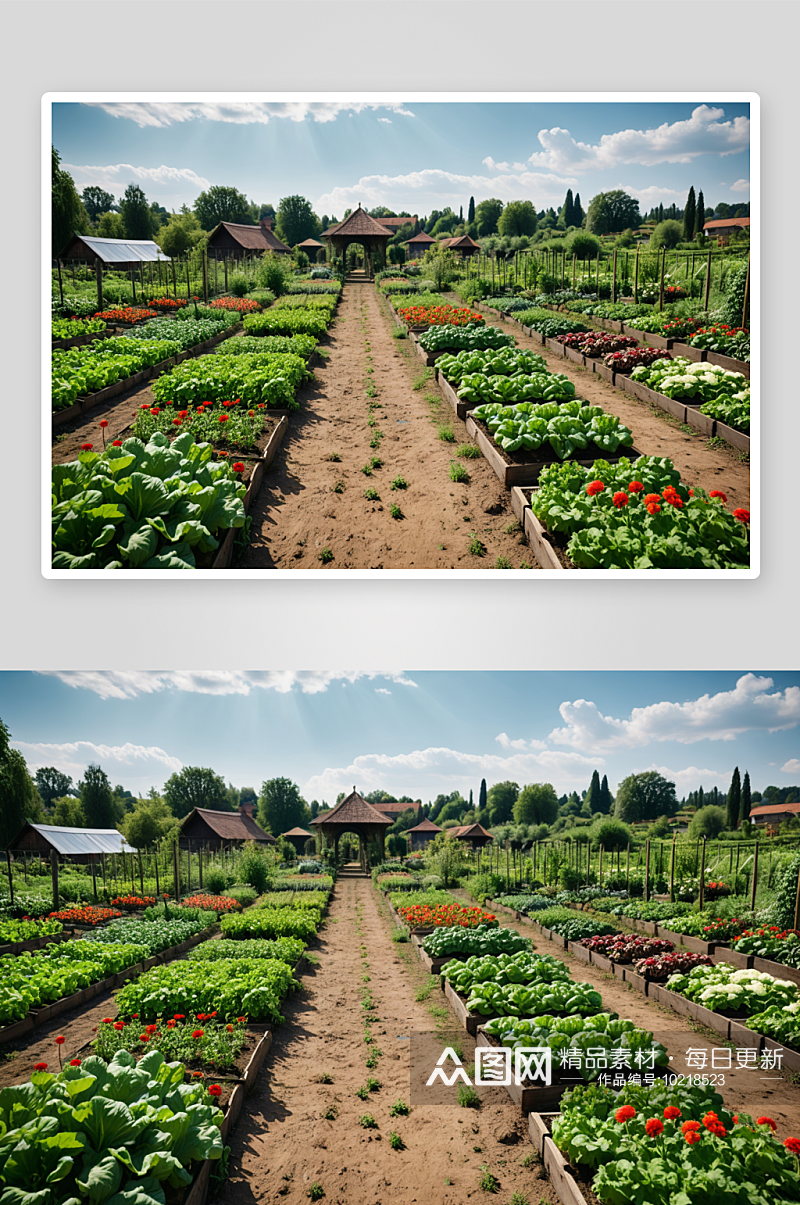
column 399, row 332
column 399, row 1109
column 399, row 936
column 458, row 472
column 513, row 527
column 335, row 457
column 315, row 1191
column 422, row 381
column 368, row 1121
column 376, row 462
column 372, row 495
column 395, row 511
column 424, row 991
column 399, row 483
column 519, row 1198
column 331, row 1113
column 468, row 1098
column 338, row 488
column 476, row 548
column 447, row 434
column 396, row 1142
column 503, row 562
column 326, row 556
column 486, row 1181
column 469, row 451
column 366, row 470
column 530, row 1160
column 325, row 1078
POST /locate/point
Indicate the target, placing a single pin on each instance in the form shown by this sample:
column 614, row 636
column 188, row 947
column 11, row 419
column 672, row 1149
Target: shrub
column 271, row 274
column 708, row 822
column 238, row 284
column 667, row 234
column 610, row 834
column 215, row 880
column 254, row 869
column 583, row 244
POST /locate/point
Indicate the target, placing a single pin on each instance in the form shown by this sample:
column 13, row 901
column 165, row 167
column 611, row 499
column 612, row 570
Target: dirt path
column 299, row 512
column 655, row 433
column 282, row 1144
column 744, row 1090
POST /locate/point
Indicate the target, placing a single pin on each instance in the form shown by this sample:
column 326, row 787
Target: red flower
column 692, row 1137
column 674, row 500
column 718, row 494
column 117, row 443
column 222, row 454
column 198, row 1033
column 154, row 410
column 144, row 1037
column 227, row 403
column 620, row 499
column 741, row 514
column 689, row 1126
column 86, row 447
column 135, row 1016
column 793, row 1145
column 223, row 418
column 180, row 1016
column 229, row 1028
column 144, row 406
column 197, row 1075
column 594, row 487
column 75, row 1062
column 214, row 1090
column 119, row 1024
column 671, row 1113
column 182, row 413
column 40, row 1066
column 103, row 422
column 653, row 508
column 653, row 1127
column 60, row 1040
column 241, row 1020
column 170, row 1024
column 238, row 467
column 635, row 487
column 766, row 1121
column 624, row 1114
column 176, row 422
column 107, row 1021
column 151, row 1028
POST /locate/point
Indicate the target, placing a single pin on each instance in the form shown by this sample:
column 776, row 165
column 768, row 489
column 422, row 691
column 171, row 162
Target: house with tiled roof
column 205, row 828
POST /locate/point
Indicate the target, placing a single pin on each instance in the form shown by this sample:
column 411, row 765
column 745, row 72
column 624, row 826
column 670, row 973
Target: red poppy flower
column 154, row 410
column 261, row 405
column 135, row 1016
column 626, row 1113
column 176, row 422
column 692, row 1137
column 198, row 1033
column 170, row 1024
column 212, row 1014
column 237, row 468
column 251, row 413
column 718, row 494
column 117, row 443
column 214, row 1090
column 793, row 1145
column 144, row 406
column 227, row 403
column 75, row 1062
column 222, row 454
column 689, row 1126
column 107, row 1021
column 86, row 447
column 620, row 499
column 103, row 422
column 766, row 1121
column 671, row 1113
column 119, row 1024
column 653, row 508
column 653, row 1127
column 182, row 413
column 144, row 1037
column 241, row 1020
column 40, row 1066
column 60, row 1040
column 674, row 500
column 151, row 1028
column 229, row 1028
column 594, row 487
column 741, row 514
column 180, row 1016
column 197, row 1075
column 223, row 418
column 635, row 487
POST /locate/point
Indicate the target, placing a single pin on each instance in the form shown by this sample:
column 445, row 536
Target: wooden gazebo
column 353, row 815
column 298, row 837
column 311, row 248
column 359, row 227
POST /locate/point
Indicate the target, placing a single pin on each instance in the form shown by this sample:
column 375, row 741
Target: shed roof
column 424, row 826
column 775, row 809
column 77, row 841
column 469, row 830
column 396, row 223
column 297, row 832
column 712, row 223
column 230, row 826
column 422, row 237
column 358, row 223
column 310, row 242
column 354, row 809
column 252, row 238
column 116, row 250
column 463, row 241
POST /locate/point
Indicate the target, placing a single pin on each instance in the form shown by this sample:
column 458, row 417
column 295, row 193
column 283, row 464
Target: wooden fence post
column 647, row 869
column 661, row 291
column 702, row 874
column 10, row 877
column 205, row 278
column 600, row 869
column 636, row 275
column 54, row 877
column 628, row 869
column 176, row 868
column 141, row 874
column 755, row 878
column 614, row 279
column 746, row 305
column 708, row 281
column 98, row 268
column 672, row 872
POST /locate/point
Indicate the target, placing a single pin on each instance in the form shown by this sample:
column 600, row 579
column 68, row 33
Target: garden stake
column 10, row 878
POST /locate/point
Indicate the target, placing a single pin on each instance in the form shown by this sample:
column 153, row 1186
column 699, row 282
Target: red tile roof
column 776, row 809
column 393, row 808
column 396, row 223
column 714, row 222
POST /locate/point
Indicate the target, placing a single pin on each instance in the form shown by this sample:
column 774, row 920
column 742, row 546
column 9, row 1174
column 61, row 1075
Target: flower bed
column 168, row 303
column 772, row 942
column 230, row 425
column 251, row 987
column 439, row 315
column 85, row 914
column 153, row 506
column 200, row 1040
column 422, row 916
column 624, row 362
column 733, row 341
column 221, row 904
column 131, row 902
column 127, row 314
column 237, row 305
column 595, row 343
column 665, row 327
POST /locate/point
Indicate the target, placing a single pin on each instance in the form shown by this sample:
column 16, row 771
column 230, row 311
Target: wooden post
column 200, row 865
column 797, row 902
column 702, row 874
column 661, row 291
column 60, row 282
column 708, row 281
column 189, row 869
column 141, row 874
column 176, row 868
column 205, row 282
column 614, row 279
column 588, row 861
column 216, row 285
column 98, row 267
column 563, row 267
column 11, row 877
column 647, row 869
column 746, row 305
column 133, row 284
column 636, row 275
column 574, row 265
column 94, row 879
column 600, row 869
column 672, row 872
column 54, row 877
column 188, row 282
column 506, row 865
column 103, row 865
column 628, row 869
column 155, row 860
column 226, row 272
column 597, row 276
column 755, row 878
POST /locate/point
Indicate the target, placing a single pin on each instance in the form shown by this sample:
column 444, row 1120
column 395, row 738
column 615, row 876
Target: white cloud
column 427, row 772
column 688, row 779
column 792, row 766
column 159, row 113
column 741, row 186
column 381, row 690
column 117, row 176
column 135, row 766
column 504, row 740
column 678, row 142
column 129, row 684
column 654, row 194
column 435, row 188
column 752, row 704
column 386, row 120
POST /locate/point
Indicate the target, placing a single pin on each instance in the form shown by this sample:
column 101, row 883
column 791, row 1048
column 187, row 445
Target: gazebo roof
column 425, row 826
column 422, row 237
column 297, row 832
column 357, row 224
column 463, row 241
column 310, row 242
column 469, row 830
column 354, row 809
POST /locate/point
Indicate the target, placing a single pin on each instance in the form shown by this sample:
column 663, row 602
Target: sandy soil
column 298, row 514
column 282, row 1145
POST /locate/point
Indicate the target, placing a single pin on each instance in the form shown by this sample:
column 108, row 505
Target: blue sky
column 407, row 154
column 407, row 732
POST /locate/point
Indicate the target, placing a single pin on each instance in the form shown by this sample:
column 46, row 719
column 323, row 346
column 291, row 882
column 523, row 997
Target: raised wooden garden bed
column 225, row 551
column 469, row 1020
column 561, row 1175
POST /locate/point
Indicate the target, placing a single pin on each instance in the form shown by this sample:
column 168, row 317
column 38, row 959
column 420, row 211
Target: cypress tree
column 482, row 797
column 605, row 797
column 734, row 799
column 744, row 808
column 568, row 210
column 461, row 213
column 471, row 210
column 689, row 216
column 470, row 799
column 661, row 213
column 700, row 215
column 592, row 799
column 577, row 212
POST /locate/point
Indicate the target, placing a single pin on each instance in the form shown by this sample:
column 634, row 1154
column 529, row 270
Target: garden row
column 647, row 1137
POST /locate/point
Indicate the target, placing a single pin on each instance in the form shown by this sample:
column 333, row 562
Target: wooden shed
column 122, row 253
column 311, row 247
column 421, row 834
column 475, row 835
column 205, row 828
column 75, row 844
column 235, row 241
column 463, row 246
column 419, row 244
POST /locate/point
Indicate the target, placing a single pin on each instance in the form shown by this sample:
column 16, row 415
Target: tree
column 471, row 210
column 18, row 794
column 700, row 214
column 500, row 801
column 222, row 204
column 744, row 809
column 583, row 244
column 577, row 211
column 407, row 819
column 51, row 783
column 97, row 798
column 482, row 796
column 645, row 797
column 68, row 812
column 182, row 232
column 610, row 834
column 611, row 212
column 454, row 809
column 281, row 806
column 734, row 799
column 606, row 802
column 69, row 215
column 567, row 209
column 592, row 800
column 96, row 201
column 487, row 215
column 689, row 216
column 518, row 217
column 136, row 215
column 111, row 225
column 445, row 223
column 707, row 822
column 667, row 234
column 536, row 804
column 296, row 220
column 195, row 787
column 150, row 820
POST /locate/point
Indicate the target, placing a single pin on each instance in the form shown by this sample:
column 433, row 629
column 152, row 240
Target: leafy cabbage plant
column 143, row 506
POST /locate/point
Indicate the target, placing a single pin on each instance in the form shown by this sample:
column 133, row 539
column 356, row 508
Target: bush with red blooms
column 131, row 902
column 130, row 315
column 86, row 914
column 168, row 303
column 445, row 916
column 624, row 362
column 215, row 1044
column 212, row 903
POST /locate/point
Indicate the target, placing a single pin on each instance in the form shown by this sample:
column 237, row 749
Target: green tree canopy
column 471, row 210
column 222, row 204
column 610, row 834
column 69, row 214
column 518, row 217
column 645, row 796
column 583, row 244
column 592, row 799
column 195, row 787
column 610, row 212
column 18, row 796
column 445, row 224
column 689, row 216
column 537, row 803
column 149, row 821
column 700, row 214
column 111, row 225
column 68, row 812
column 487, row 215
column 707, row 822
column 296, row 220
column 97, row 798
column 136, row 215
column 667, row 234
column 482, row 793
column 500, row 801
column 51, row 783
column 744, row 810
column 182, row 232
column 281, row 806
column 96, row 201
